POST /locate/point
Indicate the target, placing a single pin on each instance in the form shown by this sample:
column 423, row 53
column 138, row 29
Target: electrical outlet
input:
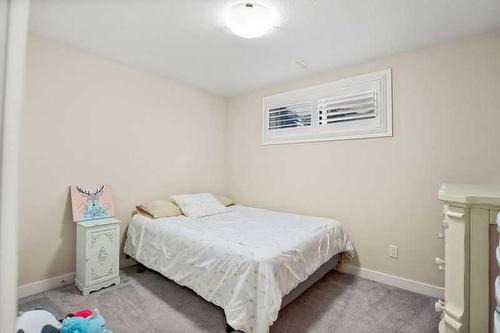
column 393, row 251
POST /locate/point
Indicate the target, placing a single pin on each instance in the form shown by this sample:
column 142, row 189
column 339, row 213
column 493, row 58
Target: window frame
column 316, row 132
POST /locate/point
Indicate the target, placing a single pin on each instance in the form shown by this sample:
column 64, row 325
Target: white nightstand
column 97, row 254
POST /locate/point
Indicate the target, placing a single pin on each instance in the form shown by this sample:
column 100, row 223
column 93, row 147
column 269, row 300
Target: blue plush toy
column 92, row 324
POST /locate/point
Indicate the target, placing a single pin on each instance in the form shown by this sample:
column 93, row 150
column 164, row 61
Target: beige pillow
column 159, row 208
column 224, row 200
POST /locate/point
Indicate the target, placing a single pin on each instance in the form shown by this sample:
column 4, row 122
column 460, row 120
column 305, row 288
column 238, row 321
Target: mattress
column 244, row 260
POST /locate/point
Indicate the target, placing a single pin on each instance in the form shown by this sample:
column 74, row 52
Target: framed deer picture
column 91, row 202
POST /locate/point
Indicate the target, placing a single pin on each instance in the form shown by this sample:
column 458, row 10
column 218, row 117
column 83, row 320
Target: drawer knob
column 439, row 306
column 440, row 261
column 441, row 235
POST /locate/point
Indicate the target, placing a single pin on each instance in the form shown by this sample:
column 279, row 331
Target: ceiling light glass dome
column 249, row 20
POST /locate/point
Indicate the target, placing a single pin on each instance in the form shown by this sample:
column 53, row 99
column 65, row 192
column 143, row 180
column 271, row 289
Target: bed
column 248, row 261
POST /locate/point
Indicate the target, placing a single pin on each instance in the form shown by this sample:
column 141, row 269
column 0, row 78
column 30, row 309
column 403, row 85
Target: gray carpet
column 148, row 302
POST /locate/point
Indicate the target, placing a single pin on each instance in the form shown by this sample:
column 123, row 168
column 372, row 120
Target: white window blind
column 353, row 108
column 346, row 108
column 297, row 115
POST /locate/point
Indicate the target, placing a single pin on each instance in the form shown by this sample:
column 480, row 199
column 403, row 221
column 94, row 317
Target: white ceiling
column 186, row 40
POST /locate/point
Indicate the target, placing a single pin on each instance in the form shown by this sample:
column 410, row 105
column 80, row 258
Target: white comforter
column 245, row 260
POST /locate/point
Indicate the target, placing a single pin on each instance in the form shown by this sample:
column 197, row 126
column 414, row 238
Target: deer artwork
column 93, row 208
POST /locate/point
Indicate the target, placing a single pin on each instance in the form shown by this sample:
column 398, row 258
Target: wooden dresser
column 471, row 237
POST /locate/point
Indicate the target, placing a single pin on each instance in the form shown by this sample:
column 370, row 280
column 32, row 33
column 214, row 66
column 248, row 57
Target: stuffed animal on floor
column 91, row 324
column 82, row 313
column 37, row 321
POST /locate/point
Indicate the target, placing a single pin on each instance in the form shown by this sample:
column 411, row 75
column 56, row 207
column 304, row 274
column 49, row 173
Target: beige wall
column 89, row 120
column 446, row 102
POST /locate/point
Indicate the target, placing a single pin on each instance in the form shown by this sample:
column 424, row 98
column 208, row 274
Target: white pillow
column 199, row 204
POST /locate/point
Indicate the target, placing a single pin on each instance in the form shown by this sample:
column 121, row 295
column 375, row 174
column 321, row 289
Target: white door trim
column 13, row 34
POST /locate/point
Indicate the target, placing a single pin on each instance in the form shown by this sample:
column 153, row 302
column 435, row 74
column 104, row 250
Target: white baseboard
column 44, row 285
column 57, row 281
column 392, row 280
column 395, row 281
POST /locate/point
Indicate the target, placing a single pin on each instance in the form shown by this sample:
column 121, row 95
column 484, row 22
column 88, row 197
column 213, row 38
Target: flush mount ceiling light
column 249, row 20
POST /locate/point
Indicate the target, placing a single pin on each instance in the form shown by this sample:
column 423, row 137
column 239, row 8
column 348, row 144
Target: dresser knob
column 439, row 306
column 441, row 235
column 440, row 261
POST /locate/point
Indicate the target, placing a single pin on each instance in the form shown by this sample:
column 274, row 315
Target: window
column 353, row 108
column 288, row 116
